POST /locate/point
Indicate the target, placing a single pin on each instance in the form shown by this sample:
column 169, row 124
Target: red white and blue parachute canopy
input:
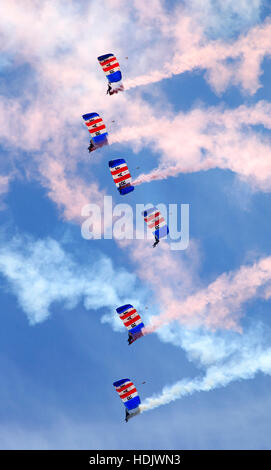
column 96, row 128
column 131, row 319
column 127, row 393
column 156, row 222
column 121, row 175
column 111, row 68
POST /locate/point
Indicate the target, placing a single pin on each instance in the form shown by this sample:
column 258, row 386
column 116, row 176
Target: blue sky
column 207, row 372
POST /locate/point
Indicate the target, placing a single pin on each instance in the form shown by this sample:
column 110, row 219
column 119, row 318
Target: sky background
column 194, row 127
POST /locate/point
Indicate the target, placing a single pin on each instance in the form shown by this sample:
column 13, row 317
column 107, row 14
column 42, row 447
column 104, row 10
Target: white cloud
column 223, row 358
column 223, row 18
column 41, row 273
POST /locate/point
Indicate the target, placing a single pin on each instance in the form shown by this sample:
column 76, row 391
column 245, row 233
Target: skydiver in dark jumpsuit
column 156, row 242
column 91, row 146
column 130, row 338
column 109, row 89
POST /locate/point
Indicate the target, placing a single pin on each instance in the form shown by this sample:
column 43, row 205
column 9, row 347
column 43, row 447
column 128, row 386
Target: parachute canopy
column 96, row 129
column 155, row 222
column 128, row 394
column 111, row 68
column 132, row 321
column 121, row 175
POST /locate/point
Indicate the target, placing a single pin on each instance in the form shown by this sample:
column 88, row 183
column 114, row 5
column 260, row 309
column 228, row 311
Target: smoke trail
column 156, row 76
column 215, row 377
column 218, row 304
column 203, row 139
column 213, row 56
column 164, row 173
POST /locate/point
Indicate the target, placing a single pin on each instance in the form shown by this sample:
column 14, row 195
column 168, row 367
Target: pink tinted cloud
column 192, row 50
column 45, row 121
column 52, row 155
column 180, row 297
column 67, row 82
column 203, row 139
column 70, row 194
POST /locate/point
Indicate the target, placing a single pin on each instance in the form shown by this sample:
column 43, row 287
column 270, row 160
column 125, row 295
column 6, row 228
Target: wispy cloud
column 220, row 304
column 180, row 295
column 234, row 358
column 41, row 274
column 206, row 322
column 226, row 63
column 64, row 80
column 206, row 138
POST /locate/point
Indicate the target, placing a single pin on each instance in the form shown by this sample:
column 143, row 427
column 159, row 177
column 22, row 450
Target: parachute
column 132, row 321
column 97, row 130
column 156, row 222
column 129, row 396
column 121, row 175
column 111, row 68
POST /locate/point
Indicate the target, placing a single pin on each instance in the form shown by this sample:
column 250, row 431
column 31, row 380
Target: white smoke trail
column 164, row 173
column 203, row 139
column 224, row 356
column 253, row 360
column 157, row 75
column 212, row 56
column 190, row 47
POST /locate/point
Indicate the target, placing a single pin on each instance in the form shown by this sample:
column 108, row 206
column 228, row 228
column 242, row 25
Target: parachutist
column 112, row 71
column 91, row 147
column 121, row 175
column 156, row 242
column 132, row 321
column 97, row 130
column 109, row 89
column 156, row 222
column 129, row 396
